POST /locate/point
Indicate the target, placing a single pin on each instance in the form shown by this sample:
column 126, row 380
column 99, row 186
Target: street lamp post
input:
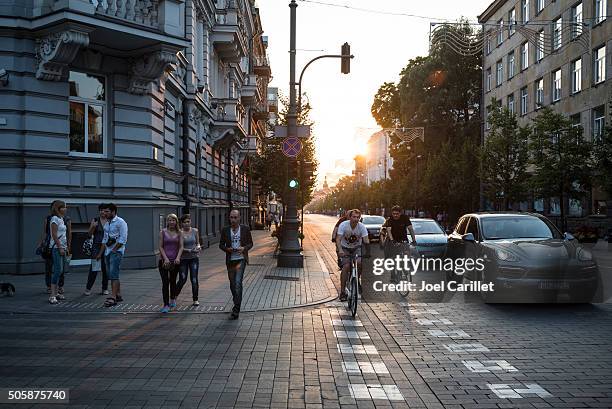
column 290, row 249
column 416, row 181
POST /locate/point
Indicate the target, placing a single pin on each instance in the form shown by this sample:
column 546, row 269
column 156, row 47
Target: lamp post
column 416, row 181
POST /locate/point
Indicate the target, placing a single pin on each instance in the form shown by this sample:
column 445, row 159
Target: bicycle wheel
column 353, row 297
column 404, row 276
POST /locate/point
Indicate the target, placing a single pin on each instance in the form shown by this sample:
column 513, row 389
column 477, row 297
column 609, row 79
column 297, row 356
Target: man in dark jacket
column 236, row 241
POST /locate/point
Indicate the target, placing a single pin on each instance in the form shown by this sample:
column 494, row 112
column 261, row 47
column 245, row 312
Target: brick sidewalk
column 266, row 287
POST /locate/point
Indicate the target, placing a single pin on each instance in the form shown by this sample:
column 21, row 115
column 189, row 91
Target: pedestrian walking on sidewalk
column 96, row 231
column 113, row 246
column 190, row 262
column 58, row 246
column 236, row 241
column 45, row 244
column 170, row 250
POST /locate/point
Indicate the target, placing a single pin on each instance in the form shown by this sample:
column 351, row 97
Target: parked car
column 431, row 237
column 373, row 224
column 526, row 257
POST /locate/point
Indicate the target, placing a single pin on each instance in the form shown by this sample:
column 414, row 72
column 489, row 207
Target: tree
column 560, row 158
column 504, row 158
column 602, row 161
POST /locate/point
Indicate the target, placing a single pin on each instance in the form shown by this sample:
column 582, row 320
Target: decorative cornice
column 149, row 68
column 56, row 51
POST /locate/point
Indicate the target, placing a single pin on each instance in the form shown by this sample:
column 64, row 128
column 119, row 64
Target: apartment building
column 552, row 53
column 378, row 160
column 154, row 105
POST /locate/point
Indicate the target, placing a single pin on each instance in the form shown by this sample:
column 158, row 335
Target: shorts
column 348, row 253
column 113, row 265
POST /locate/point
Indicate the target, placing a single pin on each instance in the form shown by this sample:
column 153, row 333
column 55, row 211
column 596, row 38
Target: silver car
column 526, row 257
column 431, row 238
column 373, row 224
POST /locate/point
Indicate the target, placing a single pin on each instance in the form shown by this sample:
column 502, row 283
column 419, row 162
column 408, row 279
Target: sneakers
column 105, row 292
column 87, row 292
column 165, row 309
column 53, row 300
column 196, row 303
column 172, row 303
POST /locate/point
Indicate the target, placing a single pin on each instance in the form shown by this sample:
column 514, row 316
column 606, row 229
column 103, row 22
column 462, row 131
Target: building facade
column 154, row 105
column 553, row 53
column 379, row 161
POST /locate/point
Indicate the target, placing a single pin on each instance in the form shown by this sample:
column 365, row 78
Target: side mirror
column 468, row 237
column 568, row 236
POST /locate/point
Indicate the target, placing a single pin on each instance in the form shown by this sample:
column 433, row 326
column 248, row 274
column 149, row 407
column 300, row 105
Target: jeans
column 113, row 264
column 91, row 278
column 168, row 277
column 58, row 266
column 235, row 273
column 191, row 266
column 49, row 272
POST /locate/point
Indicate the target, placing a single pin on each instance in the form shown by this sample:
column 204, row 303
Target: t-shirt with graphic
column 235, row 236
column 351, row 237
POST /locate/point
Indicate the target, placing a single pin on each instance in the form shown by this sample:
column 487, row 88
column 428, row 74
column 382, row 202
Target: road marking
column 489, row 366
column 518, row 391
column 346, row 323
column 365, row 367
column 376, row 391
column 448, row 334
column 321, row 262
column 357, row 349
column 428, row 311
column 424, row 321
column 351, row 334
column 459, row 348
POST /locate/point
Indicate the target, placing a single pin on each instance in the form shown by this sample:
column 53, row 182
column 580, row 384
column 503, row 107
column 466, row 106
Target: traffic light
column 293, row 183
column 307, row 171
column 345, row 64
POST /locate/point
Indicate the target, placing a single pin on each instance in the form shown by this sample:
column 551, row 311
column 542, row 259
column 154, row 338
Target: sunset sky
column 382, row 45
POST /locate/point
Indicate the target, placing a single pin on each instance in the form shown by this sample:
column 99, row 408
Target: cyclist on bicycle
column 397, row 226
column 352, row 234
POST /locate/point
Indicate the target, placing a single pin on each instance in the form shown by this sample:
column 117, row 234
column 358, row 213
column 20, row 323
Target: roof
column 501, row 214
column 493, row 7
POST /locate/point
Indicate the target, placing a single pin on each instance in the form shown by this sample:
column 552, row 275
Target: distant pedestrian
column 96, row 231
column 269, row 221
column 59, row 247
column 236, row 241
column 113, row 244
column 170, row 250
column 190, row 262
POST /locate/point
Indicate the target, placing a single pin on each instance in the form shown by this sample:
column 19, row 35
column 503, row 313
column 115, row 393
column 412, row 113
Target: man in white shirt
column 113, row 245
column 352, row 234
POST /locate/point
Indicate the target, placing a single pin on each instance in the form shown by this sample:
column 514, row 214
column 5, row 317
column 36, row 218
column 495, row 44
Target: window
column 511, row 103
column 576, row 20
column 499, row 78
column 511, row 65
column 539, row 6
column 539, row 93
column 556, row 33
column 472, row 227
column 599, row 122
column 524, row 56
column 524, row 101
column 575, row 120
column 556, row 85
column 599, row 66
column 511, row 22
column 576, row 71
column 488, row 43
column 600, row 10
column 539, row 45
column 525, row 10
column 488, row 79
column 500, row 32
column 87, row 103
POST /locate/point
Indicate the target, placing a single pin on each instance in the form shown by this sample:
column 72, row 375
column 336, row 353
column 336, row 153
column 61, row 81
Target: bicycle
column 401, row 275
column 352, row 284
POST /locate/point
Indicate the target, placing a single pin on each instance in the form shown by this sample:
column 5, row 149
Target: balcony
column 262, row 66
column 260, row 111
column 228, row 127
column 251, row 144
column 250, row 92
column 228, row 36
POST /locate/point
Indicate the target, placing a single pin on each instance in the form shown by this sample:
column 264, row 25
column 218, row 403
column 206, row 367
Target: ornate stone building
column 154, row 105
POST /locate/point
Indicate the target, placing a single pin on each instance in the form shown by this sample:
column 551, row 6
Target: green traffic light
column 293, row 183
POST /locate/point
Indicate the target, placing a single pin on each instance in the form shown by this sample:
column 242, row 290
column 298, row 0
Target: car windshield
column 373, row 220
column 426, row 227
column 515, row 227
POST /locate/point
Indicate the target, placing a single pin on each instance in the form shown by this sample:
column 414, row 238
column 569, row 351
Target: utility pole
column 290, row 250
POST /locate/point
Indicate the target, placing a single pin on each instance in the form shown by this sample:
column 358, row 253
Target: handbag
column 87, row 246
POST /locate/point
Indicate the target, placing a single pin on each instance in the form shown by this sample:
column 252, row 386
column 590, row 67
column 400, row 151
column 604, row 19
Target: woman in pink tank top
column 170, row 249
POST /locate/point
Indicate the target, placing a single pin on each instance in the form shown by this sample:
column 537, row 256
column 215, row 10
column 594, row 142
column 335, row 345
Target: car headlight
column 584, row 254
column 504, row 255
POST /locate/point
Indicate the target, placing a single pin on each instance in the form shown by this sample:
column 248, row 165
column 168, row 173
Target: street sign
column 303, row 131
column 291, row 146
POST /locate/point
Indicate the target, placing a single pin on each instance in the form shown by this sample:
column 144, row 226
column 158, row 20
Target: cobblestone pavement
column 394, row 354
